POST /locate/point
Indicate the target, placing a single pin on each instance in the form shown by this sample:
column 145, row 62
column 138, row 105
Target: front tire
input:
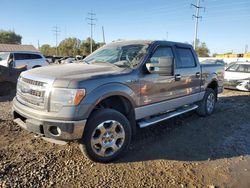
column 107, row 135
column 207, row 105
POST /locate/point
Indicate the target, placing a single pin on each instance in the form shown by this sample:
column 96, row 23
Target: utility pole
column 197, row 17
column 246, row 48
column 103, row 35
column 38, row 44
column 56, row 33
column 91, row 18
column 167, row 35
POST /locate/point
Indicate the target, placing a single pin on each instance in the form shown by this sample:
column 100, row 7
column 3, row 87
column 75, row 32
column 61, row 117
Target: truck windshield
column 4, row 56
column 126, row 56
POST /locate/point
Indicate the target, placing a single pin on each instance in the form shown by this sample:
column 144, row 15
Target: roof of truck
column 130, row 42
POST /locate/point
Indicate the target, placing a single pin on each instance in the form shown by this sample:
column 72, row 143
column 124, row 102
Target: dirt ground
column 187, row 151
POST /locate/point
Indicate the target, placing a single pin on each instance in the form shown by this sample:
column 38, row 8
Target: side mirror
column 164, row 67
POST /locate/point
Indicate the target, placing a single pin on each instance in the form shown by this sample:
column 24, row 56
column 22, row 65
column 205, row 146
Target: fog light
column 55, row 131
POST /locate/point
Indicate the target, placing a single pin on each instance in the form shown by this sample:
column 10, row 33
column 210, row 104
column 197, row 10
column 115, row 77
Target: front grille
column 37, row 93
column 31, row 92
column 32, row 82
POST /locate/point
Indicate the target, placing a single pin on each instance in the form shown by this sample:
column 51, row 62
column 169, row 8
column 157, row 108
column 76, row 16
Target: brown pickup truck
column 101, row 101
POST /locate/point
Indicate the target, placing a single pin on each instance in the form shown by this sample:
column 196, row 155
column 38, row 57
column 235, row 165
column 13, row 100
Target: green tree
column 214, row 54
column 85, row 46
column 70, row 47
column 10, row 37
column 47, row 50
column 202, row 49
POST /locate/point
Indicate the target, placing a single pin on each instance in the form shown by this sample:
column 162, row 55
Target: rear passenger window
column 186, row 58
column 21, row 56
column 35, row 56
column 161, row 52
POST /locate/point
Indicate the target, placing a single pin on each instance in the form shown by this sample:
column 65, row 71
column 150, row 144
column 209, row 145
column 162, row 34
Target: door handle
column 177, row 77
column 198, row 74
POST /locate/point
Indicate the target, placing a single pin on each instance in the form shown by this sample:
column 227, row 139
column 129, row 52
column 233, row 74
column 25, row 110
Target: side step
column 144, row 123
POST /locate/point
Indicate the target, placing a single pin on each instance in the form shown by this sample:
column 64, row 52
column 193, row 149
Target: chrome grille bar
column 34, row 92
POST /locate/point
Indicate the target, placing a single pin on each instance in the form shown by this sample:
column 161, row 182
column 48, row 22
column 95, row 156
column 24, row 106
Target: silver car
column 237, row 76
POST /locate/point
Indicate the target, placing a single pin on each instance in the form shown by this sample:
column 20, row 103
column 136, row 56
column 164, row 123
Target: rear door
column 189, row 71
column 36, row 60
column 22, row 59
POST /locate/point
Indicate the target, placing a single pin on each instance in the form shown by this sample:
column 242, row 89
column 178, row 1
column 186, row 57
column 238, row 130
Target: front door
column 157, row 88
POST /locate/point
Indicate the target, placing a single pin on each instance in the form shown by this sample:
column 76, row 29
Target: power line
column 197, row 17
column 56, row 33
column 92, row 18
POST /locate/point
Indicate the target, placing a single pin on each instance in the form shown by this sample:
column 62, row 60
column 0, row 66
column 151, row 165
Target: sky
column 224, row 27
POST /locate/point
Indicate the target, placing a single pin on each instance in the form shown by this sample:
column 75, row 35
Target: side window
column 186, row 58
column 161, row 52
column 35, row 56
column 21, row 56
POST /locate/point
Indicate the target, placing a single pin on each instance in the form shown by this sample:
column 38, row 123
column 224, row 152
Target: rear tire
column 107, row 135
column 207, row 105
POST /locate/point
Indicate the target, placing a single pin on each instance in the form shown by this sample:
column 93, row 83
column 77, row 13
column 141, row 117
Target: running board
column 157, row 119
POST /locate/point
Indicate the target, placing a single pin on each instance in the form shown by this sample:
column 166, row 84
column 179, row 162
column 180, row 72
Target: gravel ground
column 187, row 151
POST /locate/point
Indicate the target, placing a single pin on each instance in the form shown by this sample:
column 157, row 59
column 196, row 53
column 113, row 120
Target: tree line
column 73, row 46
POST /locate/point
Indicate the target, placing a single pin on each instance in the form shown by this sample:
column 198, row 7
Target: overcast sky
column 225, row 24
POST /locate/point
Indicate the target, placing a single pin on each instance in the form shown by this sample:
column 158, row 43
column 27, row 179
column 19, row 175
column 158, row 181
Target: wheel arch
column 214, row 85
column 114, row 96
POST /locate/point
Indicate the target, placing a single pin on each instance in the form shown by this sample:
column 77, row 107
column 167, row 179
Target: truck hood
column 63, row 75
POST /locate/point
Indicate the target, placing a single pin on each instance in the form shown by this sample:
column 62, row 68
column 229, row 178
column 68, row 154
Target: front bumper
column 236, row 84
column 51, row 128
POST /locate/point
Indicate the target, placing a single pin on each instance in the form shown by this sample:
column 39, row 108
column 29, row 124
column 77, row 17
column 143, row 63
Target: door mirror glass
column 164, row 67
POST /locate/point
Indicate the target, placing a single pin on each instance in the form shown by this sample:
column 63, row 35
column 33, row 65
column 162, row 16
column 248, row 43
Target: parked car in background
column 214, row 61
column 21, row 58
column 230, row 64
column 237, row 76
column 68, row 60
column 50, row 59
column 57, row 59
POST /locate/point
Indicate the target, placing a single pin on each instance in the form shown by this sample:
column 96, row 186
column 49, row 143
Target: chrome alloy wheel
column 107, row 138
column 210, row 102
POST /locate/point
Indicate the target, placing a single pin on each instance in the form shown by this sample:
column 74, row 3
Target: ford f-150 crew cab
column 101, row 101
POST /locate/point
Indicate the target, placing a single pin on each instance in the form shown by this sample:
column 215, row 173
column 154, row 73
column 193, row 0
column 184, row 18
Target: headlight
column 65, row 97
column 243, row 85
